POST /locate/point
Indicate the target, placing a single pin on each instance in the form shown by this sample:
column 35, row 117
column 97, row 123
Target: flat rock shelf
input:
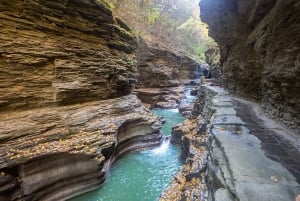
column 142, row 175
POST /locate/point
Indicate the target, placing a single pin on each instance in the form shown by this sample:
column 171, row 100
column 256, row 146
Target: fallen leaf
column 274, row 179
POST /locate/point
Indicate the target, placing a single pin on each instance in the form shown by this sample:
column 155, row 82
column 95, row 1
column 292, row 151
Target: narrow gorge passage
column 80, row 81
column 142, row 175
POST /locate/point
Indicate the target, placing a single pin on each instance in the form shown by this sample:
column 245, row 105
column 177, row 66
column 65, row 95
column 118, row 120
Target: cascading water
column 142, row 176
column 187, row 93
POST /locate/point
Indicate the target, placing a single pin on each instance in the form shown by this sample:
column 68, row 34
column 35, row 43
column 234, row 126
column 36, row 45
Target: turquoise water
column 141, row 176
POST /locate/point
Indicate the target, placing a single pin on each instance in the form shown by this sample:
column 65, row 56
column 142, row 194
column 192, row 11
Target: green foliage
column 199, row 51
column 174, row 24
column 153, row 16
column 108, row 3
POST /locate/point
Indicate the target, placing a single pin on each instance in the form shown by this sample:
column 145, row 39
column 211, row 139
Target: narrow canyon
column 83, row 86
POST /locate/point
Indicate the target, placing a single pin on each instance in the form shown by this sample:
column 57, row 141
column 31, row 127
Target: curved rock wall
column 54, row 176
column 259, row 42
column 67, row 69
column 90, row 129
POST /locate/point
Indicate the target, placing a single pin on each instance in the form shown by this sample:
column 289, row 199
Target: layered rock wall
column 62, row 52
column 223, row 159
column 67, row 70
column 212, row 58
column 161, row 74
column 163, row 68
column 259, row 42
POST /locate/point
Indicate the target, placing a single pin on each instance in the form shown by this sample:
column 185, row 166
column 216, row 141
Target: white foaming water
column 162, row 148
column 142, row 175
column 188, row 97
column 172, row 110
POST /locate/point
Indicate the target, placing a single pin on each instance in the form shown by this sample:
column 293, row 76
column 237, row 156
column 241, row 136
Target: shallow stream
column 142, row 176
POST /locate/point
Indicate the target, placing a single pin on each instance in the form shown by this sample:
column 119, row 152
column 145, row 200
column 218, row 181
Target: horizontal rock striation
column 162, row 68
column 190, row 181
column 161, row 74
column 87, row 138
column 223, row 160
column 259, row 43
column 166, row 97
column 63, row 52
column 238, row 168
column 67, row 70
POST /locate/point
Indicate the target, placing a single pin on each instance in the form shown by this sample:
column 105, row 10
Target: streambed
column 142, row 176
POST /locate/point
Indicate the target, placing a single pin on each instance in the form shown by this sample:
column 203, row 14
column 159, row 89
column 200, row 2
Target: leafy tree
column 171, row 24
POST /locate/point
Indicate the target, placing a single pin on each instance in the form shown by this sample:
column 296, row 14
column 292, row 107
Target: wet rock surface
column 67, row 71
column 212, row 58
column 234, row 163
column 259, row 47
column 273, row 141
column 237, row 162
column 100, row 132
column 165, row 97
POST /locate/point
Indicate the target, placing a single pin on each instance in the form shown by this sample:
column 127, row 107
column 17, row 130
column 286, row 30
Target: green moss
column 108, row 4
column 123, row 31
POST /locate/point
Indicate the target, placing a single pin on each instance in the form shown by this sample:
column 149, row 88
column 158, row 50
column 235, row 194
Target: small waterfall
column 163, row 147
column 142, row 176
column 187, row 93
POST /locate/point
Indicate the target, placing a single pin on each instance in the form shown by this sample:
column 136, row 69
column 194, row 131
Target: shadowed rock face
column 159, row 68
column 160, row 74
column 67, row 69
column 212, row 58
column 259, row 42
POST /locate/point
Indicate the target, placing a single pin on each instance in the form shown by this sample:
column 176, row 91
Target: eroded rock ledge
column 162, row 74
column 62, row 52
column 56, row 153
column 223, row 160
column 260, row 44
column 67, row 69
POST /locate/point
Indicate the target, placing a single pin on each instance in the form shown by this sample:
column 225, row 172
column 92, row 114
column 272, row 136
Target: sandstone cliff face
column 67, row 69
column 161, row 74
column 259, row 42
column 51, row 54
column 163, row 68
column 58, row 152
